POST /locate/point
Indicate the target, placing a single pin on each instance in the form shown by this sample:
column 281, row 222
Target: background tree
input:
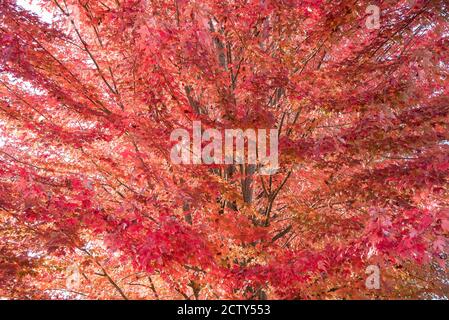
column 91, row 90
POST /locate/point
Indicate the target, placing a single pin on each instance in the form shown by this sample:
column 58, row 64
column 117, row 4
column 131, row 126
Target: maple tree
column 89, row 97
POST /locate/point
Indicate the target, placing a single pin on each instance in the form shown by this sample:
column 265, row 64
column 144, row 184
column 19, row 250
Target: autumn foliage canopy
column 91, row 207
